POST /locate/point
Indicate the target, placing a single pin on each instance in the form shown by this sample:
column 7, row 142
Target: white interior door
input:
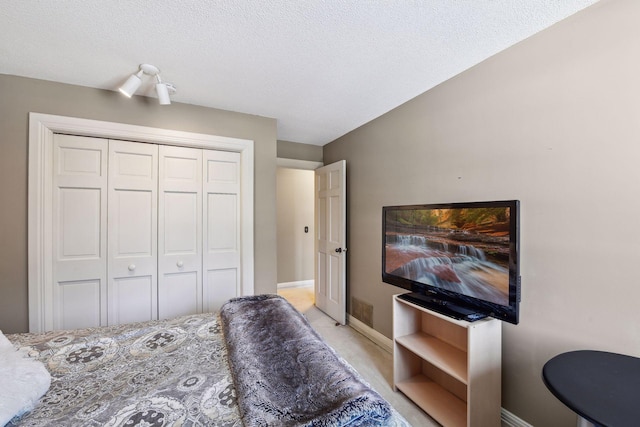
column 133, row 224
column 78, row 295
column 221, row 228
column 179, row 232
column 331, row 251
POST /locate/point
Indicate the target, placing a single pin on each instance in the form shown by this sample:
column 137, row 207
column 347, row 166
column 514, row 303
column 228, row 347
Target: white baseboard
column 298, row 284
column 508, row 419
column 372, row 334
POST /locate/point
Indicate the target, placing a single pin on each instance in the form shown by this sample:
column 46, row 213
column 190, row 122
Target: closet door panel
column 224, row 282
column 180, row 232
column 78, row 295
column 133, row 204
column 79, row 302
column 221, row 258
column 178, row 294
column 133, row 228
column 181, row 214
column 130, row 301
column 79, row 226
column 222, row 234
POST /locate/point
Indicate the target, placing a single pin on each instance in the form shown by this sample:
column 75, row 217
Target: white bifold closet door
column 77, row 296
column 141, row 231
column 221, row 257
column 133, row 232
column 180, row 232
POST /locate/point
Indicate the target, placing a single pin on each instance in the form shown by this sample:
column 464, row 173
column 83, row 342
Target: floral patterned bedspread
column 160, row 373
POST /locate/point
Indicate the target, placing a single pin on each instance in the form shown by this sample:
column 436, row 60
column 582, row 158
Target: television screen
column 460, row 255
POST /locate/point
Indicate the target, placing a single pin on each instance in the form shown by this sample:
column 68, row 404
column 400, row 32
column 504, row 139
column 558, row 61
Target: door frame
column 39, row 223
column 308, row 165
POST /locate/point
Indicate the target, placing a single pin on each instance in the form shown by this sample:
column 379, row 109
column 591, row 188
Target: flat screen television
column 460, row 259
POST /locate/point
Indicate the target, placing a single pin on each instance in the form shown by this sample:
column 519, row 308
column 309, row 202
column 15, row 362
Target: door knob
column 131, row 267
column 179, row 264
column 339, row 250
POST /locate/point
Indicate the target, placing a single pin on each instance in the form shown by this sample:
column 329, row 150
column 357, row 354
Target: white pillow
column 23, row 381
column 4, row 342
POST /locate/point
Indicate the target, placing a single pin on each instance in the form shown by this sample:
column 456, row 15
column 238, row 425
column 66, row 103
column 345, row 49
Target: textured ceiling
column 320, row 67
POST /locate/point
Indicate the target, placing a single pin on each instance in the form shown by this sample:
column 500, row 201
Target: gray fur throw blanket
column 286, row 375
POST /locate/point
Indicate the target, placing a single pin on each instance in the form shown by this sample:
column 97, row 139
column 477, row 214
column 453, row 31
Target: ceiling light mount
column 164, row 90
column 149, row 69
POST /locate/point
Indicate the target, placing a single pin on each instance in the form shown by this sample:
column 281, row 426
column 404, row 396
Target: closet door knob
column 131, row 267
column 180, row 264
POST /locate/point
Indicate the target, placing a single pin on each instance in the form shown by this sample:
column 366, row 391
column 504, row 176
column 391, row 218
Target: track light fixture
column 164, row 90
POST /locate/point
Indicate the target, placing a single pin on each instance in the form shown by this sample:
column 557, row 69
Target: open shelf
column 449, row 368
column 435, row 400
column 448, row 358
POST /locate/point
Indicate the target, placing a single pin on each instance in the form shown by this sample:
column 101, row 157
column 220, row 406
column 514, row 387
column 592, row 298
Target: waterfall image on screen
column 463, row 250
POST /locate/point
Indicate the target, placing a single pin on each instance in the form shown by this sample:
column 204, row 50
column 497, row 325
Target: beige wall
column 298, row 151
column 295, row 196
column 554, row 122
column 19, row 96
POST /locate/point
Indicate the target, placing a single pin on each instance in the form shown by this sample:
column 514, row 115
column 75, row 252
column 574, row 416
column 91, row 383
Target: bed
column 257, row 362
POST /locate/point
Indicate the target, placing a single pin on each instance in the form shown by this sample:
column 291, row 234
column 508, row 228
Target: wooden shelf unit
column 450, row 368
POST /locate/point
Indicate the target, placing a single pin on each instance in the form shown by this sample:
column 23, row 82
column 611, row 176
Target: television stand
column 443, row 307
column 450, row 368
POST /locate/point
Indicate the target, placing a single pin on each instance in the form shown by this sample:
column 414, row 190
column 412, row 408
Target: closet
column 141, row 231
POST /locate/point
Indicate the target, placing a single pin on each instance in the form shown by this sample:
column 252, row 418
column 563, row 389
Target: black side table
column 602, row 388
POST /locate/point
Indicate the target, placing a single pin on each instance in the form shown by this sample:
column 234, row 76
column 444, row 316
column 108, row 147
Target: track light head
column 163, row 94
column 131, row 85
column 164, row 90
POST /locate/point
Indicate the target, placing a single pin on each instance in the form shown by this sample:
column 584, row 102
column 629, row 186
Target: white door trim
column 282, row 162
column 41, row 130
